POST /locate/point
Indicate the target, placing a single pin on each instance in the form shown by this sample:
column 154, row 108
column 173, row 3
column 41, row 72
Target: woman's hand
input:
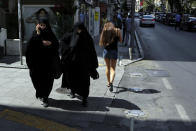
column 46, row 43
column 38, row 29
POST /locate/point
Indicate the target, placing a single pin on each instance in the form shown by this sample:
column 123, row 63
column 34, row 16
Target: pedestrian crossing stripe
column 33, row 121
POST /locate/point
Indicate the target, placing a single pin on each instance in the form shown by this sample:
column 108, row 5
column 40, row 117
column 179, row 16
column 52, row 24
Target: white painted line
column 183, row 115
column 167, row 83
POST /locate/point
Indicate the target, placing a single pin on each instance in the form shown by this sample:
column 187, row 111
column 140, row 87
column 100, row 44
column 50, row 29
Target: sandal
column 111, row 87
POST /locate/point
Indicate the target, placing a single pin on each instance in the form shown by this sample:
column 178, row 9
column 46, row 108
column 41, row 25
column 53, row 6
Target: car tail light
column 143, row 20
column 153, row 19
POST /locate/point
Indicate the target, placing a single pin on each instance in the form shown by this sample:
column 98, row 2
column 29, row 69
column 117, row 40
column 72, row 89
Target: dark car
column 188, row 23
column 170, row 19
column 162, row 18
column 157, row 16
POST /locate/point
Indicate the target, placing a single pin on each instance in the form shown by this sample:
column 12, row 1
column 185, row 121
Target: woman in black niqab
column 42, row 48
column 79, row 61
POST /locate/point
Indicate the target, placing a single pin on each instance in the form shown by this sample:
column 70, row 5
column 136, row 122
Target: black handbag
column 57, row 67
column 94, row 74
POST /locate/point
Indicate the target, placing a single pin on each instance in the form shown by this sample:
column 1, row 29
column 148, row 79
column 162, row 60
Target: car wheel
column 141, row 25
column 153, row 25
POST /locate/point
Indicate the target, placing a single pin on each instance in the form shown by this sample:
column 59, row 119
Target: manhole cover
column 135, row 89
column 157, row 73
column 134, row 113
column 136, row 74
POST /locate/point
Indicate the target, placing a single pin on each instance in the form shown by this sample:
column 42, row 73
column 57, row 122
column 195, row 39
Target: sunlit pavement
column 20, row 110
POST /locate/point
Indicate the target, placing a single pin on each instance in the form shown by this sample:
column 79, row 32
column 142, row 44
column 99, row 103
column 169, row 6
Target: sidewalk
column 19, row 110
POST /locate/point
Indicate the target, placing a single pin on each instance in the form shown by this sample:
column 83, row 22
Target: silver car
column 147, row 20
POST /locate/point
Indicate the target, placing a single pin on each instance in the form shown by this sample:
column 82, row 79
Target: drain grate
column 157, row 73
column 135, row 89
column 134, row 113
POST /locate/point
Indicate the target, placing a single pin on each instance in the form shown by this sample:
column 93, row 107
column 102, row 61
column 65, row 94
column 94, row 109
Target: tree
column 124, row 6
column 149, row 5
column 64, row 10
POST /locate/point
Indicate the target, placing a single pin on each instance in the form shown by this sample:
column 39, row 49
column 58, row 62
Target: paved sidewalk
column 19, row 110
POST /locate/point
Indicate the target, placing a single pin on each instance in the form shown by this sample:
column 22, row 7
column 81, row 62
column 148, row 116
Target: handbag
column 94, row 74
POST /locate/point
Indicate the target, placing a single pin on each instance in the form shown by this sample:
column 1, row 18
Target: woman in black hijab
column 79, row 61
column 41, row 51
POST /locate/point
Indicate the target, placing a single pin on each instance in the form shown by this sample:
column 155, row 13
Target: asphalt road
column 175, row 51
column 169, row 100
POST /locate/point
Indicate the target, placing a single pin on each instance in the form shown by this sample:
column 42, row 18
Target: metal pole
column 131, row 123
column 20, row 30
column 132, row 28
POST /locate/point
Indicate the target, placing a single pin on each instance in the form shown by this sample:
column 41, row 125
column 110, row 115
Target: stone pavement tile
column 62, row 108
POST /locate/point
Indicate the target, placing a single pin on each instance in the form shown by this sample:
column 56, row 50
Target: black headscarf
column 75, row 35
column 46, row 33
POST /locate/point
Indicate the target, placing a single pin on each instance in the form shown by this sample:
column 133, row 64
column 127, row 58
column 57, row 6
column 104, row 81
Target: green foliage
column 64, row 11
column 149, row 5
column 124, row 6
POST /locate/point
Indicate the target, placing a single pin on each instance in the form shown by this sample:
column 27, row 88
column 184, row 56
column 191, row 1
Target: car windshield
column 147, row 16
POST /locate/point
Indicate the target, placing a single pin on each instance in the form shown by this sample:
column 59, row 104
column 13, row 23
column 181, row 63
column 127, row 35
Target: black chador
column 79, row 61
column 39, row 58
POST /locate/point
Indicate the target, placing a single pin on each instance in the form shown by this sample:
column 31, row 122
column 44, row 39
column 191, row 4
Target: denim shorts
column 110, row 54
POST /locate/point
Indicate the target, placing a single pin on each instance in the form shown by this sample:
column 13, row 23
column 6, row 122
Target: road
column 168, row 74
column 175, row 51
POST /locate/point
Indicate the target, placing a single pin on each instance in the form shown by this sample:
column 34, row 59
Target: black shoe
column 45, row 102
column 84, row 102
column 72, row 95
column 111, row 87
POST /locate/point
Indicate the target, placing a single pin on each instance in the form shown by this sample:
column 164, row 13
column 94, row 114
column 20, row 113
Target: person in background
column 128, row 29
column 178, row 20
column 124, row 26
column 109, row 39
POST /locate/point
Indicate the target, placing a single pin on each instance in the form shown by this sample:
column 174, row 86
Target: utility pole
column 132, row 28
column 20, row 30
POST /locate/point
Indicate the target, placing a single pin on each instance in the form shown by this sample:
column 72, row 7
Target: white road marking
column 183, row 115
column 167, row 83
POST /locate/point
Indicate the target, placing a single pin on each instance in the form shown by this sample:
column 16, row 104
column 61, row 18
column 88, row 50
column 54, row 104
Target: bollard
column 131, row 123
column 132, row 114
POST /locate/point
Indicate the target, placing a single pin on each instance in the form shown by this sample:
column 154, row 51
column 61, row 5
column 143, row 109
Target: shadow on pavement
column 94, row 104
column 9, row 59
column 137, row 90
column 86, row 123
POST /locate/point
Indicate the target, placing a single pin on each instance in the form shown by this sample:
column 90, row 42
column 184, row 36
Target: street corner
column 34, row 121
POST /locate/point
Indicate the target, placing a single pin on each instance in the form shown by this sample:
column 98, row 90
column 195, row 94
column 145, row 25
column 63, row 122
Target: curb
column 14, row 67
column 138, row 43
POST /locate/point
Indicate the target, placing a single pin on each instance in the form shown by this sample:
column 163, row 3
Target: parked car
column 157, row 16
column 147, row 20
column 170, row 19
column 188, row 22
column 137, row 14
column 163, row 18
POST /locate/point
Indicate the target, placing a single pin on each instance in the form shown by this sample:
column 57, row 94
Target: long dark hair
column 108, row 34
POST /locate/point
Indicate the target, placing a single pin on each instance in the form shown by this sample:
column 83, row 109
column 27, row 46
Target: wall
column 12, row 47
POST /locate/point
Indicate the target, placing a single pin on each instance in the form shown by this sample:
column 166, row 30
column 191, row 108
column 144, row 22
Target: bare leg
column 107, row 61
column 112, row 70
